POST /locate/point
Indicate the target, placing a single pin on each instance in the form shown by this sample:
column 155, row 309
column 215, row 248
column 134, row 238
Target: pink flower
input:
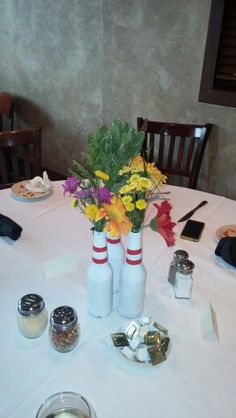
column 163, row 224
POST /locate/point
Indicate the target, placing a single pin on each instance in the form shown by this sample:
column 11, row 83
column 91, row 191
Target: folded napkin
column 226, row 249
column 39, row 184
column 9, row 228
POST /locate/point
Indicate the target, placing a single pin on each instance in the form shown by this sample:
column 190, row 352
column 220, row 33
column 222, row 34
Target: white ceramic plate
column 19, row 191
column 226, row 231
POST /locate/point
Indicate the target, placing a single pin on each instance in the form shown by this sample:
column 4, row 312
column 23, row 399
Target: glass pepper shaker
column 183, row 279
column 64, row 329
column 178, row 256
column 32, row 315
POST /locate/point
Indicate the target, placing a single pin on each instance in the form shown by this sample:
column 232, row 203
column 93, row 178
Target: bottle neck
column 134, row 250
column 113, row 240
column 99, row 253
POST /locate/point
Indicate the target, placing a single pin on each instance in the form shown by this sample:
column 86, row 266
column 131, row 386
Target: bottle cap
column 63, row 318
column 30, row 305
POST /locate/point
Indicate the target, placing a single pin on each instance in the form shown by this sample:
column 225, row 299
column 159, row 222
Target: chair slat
column 180, row 152
column 171, row 151
column 27, row 161
column 3, row 167
column 161, row 151
column 151, row 147
column 14, row 163
column 190, row 154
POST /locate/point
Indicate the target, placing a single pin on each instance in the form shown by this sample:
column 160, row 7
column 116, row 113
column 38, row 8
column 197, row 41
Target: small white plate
column 19, row 191
column 226, row 231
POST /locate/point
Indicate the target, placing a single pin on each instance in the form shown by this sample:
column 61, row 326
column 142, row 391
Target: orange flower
column 138, row 164
column 156, row 175
column 163, row 224
column 118, row 222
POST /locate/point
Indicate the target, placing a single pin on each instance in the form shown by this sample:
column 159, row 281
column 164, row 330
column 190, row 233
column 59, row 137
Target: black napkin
column 9, row 228
column 226, row 249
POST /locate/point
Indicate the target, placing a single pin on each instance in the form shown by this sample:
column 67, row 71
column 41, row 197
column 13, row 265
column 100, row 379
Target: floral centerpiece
column 114, row 186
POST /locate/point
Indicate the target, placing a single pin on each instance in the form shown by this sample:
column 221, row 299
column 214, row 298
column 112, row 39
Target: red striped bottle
column 99, row 279
column 116, row 255
column 132, row 279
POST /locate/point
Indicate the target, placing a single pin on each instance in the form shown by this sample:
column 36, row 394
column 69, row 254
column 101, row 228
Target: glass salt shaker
column 178, row 256
column 183, row 279
column 64, row 329
column 32, row 315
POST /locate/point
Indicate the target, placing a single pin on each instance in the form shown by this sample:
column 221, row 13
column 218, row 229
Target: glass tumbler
column 66, row 405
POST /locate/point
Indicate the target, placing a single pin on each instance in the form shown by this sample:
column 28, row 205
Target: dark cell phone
column 192, row 230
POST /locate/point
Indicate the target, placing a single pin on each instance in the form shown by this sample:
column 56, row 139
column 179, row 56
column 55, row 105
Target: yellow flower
column 127, row 199
column 102, row 175
column 127, row 202
column 137, row 165
column 129, row 207
column 134, row 178
column 118, row 222
column 126, row 169
column 91, row 211
column 145, row 183
column 141, row 204
column 135, row 182
column 135, row 186
column 127, row 188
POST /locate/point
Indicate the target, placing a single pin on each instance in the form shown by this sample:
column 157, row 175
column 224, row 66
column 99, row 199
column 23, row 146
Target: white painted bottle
column 116, row 254
column 99, row 279
column 132, row 279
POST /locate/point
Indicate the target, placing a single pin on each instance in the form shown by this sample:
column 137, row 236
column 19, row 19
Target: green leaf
column 109, row 149
column 153, row 224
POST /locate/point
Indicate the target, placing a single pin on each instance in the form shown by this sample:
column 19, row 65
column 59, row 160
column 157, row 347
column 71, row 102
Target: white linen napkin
column 39, row 184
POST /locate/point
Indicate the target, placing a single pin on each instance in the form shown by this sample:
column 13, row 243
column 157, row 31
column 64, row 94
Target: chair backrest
column 20, row 155
column 176, row 148
column 6, row 110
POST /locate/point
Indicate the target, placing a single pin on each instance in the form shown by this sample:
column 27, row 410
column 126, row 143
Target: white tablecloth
column 197, row 380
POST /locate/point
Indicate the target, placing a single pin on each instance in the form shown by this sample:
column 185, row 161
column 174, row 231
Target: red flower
column 162, row 222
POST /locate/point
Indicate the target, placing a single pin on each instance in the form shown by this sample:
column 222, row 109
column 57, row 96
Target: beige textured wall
column 72, row 64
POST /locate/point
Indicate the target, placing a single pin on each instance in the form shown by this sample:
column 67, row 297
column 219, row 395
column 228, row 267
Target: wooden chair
column 6, row 111
column 23, row 157
column 177, row 149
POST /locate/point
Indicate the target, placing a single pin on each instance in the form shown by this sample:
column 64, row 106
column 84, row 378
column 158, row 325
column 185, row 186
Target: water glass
column 66, row 405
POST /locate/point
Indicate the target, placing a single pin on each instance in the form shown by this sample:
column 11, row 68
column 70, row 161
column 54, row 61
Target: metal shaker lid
column 30, row 305
column 185, row 266
column 180, row 255
column 63, row 318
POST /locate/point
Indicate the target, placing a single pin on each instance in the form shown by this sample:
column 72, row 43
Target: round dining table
column 50, row 258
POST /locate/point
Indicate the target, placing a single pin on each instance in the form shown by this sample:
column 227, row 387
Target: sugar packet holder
column 143, row 341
